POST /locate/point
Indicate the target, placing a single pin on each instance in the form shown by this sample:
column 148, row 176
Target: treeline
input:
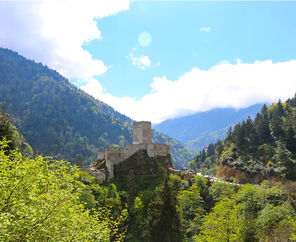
column 9, row 132
column 206, row 160
column 180, row 154
column 55, row 117
column 42, row 199
column 59, row 119
column 174, row 209
column 47, row 200
column 265, row 145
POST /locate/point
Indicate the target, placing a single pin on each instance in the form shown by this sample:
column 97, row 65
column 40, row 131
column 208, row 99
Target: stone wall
column 158, row 150
column 142, row 140
column 142, row 133
column 115, row 155
column 101, row 155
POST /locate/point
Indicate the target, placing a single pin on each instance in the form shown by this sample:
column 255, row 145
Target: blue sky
column 154, row 60
column 249, row 31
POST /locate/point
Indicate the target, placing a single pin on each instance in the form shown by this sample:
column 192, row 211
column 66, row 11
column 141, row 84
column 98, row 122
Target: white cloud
column 53, row 32
column 224, row 85
column 141, row 61
column 205, row 29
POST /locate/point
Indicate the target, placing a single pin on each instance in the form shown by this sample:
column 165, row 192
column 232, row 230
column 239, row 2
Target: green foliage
column 202, row 128
column 200, row 210
column 205, row 161
column 57, row 118
column 40, row 200
column 274, row 223
column 60, row 120
column 163, row 217
column 9, row 132
column 137, row 223
column 224, row 223
column 108, row 196
column 264, row 213
column 131, row 190
column 222, row 190
column 180, row 154
column 192, row 210
column 265, row 146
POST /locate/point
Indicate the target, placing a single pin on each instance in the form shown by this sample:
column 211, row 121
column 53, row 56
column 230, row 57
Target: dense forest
column 206, row 161
column 42, row 199
column 60, row 120
column 48, row 199
column 265, row 145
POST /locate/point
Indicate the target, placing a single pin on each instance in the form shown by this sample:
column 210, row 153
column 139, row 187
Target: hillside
column 202, row 128
column 58, row 119
column 262, row 148
column 9, row 132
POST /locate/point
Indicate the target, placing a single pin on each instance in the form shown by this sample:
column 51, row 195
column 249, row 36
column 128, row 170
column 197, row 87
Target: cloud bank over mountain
column 54, row 32
column 236, row 85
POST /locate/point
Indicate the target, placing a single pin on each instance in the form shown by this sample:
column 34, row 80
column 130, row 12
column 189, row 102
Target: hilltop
column 58, row 119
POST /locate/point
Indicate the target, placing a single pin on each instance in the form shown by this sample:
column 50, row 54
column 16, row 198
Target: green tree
column 39, row 201
column 9, row 131
column 277, row 125
column 203, row 186
column 291, row 140
column 163, row 217
column 261, row 124
column 192, row 208
column 79, row 160
column 250, row 205
column 131, row 190
column 222, row 190
column 275, row 223
column 224, row 223
column 137, row 230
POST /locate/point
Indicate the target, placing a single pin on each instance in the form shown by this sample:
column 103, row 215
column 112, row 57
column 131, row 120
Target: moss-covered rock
column 149, row 171
column 142, row 164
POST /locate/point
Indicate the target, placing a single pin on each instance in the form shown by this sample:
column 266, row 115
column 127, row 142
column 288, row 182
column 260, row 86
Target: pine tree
column 239, row 136
column 211, row 150
column 291, row 140
column 261, row 124
column 229, row 134
column 131, row 189
column 163, row 216
column 280, row 108
column 276, row 126
column 203, row 155
column 251, row 135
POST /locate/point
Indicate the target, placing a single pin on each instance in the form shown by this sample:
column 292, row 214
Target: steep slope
column 15, row 140
column 203, row 128
column 261, row 148
column 54, row 116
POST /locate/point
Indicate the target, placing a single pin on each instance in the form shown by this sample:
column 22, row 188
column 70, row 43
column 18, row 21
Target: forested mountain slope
column 203, row 128
column 57, row 118
column 15, row 140
column 265, row 146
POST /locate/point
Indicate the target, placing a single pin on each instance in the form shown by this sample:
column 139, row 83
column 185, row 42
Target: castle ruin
column 142, row 140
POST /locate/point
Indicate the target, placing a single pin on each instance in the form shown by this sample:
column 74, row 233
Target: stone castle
column 142, row 140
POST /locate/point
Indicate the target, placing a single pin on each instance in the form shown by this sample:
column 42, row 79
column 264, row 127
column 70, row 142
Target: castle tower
column 142, row 133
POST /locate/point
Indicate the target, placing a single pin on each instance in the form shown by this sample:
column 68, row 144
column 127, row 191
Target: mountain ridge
column 202, row 128
column 59, row 119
